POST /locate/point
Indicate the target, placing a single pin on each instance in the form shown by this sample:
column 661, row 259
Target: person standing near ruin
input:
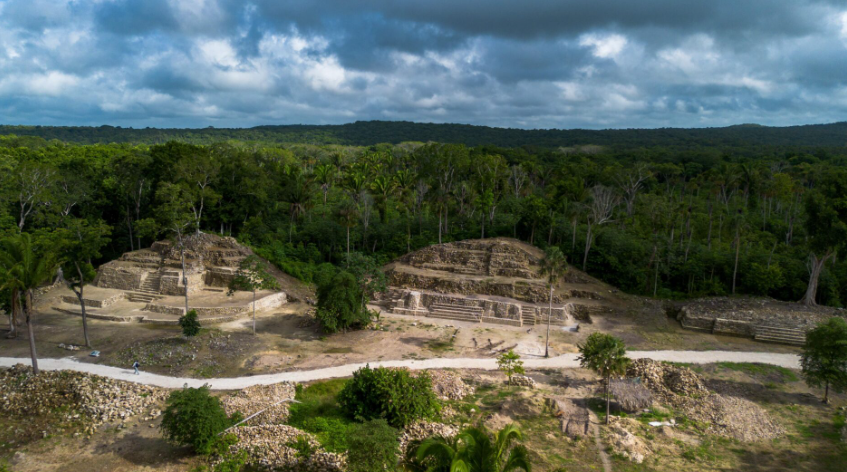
column 136, row 365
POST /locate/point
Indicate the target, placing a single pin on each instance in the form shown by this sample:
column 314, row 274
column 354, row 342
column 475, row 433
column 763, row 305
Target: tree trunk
column 30, row 321
column 737, row 251
column 348, row 246
column 439, row 227
column 817, row 268
column 826, row 393
column 79, row 295
column 254, row 312
column 13, row 315
column 608, row 398
column 184, row 274
column 573, row 236
column 549, row 316
column 587, row 248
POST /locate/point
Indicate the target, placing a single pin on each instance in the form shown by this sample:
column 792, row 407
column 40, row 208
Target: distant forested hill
column 363, row 133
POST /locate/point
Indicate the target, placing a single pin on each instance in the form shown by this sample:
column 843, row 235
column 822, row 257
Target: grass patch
column 339, row 350
column 761, row 370
column 319, row 413
column 441, row 344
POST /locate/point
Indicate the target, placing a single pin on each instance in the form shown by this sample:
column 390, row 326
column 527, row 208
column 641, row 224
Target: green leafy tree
column 79, row 243
column 392, row 394
column 252, row 276
column 28, row 268
column 510, row 363
column 193, row 417
column 824, row 357
column 473, row 450
column 554, row 265
column 339, row 306
column 190, row 324
column 372, row 446
column 175, row 213
column 606, row 356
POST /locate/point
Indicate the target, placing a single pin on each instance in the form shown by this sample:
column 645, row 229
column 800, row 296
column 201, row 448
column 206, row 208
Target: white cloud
column 607, row 46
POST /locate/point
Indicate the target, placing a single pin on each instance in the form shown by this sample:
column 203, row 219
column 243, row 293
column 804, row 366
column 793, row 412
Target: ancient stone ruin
column 762, row 319
column 151, row 280
column 485, row 280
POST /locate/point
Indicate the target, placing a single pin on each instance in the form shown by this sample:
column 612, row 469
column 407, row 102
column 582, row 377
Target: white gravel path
column 791, row 361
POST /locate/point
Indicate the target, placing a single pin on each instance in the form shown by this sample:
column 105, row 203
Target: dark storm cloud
column 541, row 63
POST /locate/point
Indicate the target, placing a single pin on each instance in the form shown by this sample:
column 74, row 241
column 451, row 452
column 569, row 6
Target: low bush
column 341, row 304
column 193, row 417
column 373, row 446
column 190, row 324
column 392, row 394
column 319, row 413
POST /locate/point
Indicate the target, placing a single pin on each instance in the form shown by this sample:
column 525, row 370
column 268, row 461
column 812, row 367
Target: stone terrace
column 763, row 319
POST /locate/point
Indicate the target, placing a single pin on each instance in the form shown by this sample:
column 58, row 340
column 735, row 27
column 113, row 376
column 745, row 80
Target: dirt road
column 791, row 361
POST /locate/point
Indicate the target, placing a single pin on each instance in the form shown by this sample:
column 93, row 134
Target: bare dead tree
column 600, row 211
column 33, row 183
column 631, row 181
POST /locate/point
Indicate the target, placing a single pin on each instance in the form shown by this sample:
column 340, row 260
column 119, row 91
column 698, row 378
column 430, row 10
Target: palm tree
column 29, row 271
column 554, row 265
column 473, row 450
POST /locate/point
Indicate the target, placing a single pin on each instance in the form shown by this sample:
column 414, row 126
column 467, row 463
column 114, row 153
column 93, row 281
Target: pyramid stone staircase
column 149, row 290
column 773, row 334
column 456, row 312
column 528, row 315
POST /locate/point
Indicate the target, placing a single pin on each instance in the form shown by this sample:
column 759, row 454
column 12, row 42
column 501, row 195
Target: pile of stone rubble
column 727, row 416
column 523, row 381
column 269, row 448
column 95, row 400
column 667, row 381
column 425, row 429
column 258, row 397
column 449, row 385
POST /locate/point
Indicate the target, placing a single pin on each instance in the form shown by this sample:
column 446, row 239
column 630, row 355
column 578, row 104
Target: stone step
column 775, row 329
column 453, row 316
column 462, row 308
column 781, row 340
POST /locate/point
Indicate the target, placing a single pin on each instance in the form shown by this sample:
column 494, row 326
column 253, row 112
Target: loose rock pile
column 523, row 381
column 732, row 417
column 686, row 391
column 667, row 381
column 258, row 397
column 95, row 400
column 267, row 448
column 627, row 444
column 425, row 429
column 449, row 385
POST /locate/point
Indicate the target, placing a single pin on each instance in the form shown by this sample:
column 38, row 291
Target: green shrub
column 341, row 304
column 190, row 324
column 392, row 394
column 230, row 461
column 192, row 417
column 318, row 413
column 373, row 446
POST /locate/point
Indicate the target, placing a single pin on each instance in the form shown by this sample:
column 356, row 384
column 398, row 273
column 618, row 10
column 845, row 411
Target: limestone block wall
column 93, row 303
column 118, row 278
column 274, row 300
column 172, row 283
column 733, row 328
column 530, row 292
column 219, row 276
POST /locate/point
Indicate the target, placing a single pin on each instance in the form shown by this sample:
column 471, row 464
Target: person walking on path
column 136, row 365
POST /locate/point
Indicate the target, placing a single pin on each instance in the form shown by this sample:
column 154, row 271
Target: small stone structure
column 762, row 319
column 153, row 278
column 210, row 261
column 486, row 280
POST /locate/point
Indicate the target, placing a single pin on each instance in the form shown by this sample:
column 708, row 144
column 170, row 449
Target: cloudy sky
column 523, row 64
